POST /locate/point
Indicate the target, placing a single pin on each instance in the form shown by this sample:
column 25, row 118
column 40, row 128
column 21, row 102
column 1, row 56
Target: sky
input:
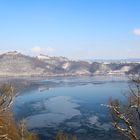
column 78, row 29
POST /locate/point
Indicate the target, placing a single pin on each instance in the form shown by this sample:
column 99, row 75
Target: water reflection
column 72, row 105
column 94, row 120
column 56, row 110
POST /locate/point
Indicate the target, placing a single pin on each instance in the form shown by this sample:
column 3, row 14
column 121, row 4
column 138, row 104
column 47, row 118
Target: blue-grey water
column 75, row 105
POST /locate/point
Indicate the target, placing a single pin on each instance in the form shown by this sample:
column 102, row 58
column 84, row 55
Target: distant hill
column 132, row 60
column 17, row 64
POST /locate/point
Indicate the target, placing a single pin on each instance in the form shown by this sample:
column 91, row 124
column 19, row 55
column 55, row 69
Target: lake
column 76, row 105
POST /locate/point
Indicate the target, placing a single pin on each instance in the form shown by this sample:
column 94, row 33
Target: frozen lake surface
column 74, row 105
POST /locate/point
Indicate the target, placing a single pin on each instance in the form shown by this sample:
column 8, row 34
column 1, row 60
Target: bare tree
column 8, row 128
column 126, row 116
column 6, row 97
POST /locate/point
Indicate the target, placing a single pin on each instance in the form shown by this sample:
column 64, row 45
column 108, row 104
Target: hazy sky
column 83, row 29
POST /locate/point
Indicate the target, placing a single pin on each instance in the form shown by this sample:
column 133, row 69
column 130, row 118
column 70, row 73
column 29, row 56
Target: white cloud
column 49, row 49
column 38, row 49
column 136, row 31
